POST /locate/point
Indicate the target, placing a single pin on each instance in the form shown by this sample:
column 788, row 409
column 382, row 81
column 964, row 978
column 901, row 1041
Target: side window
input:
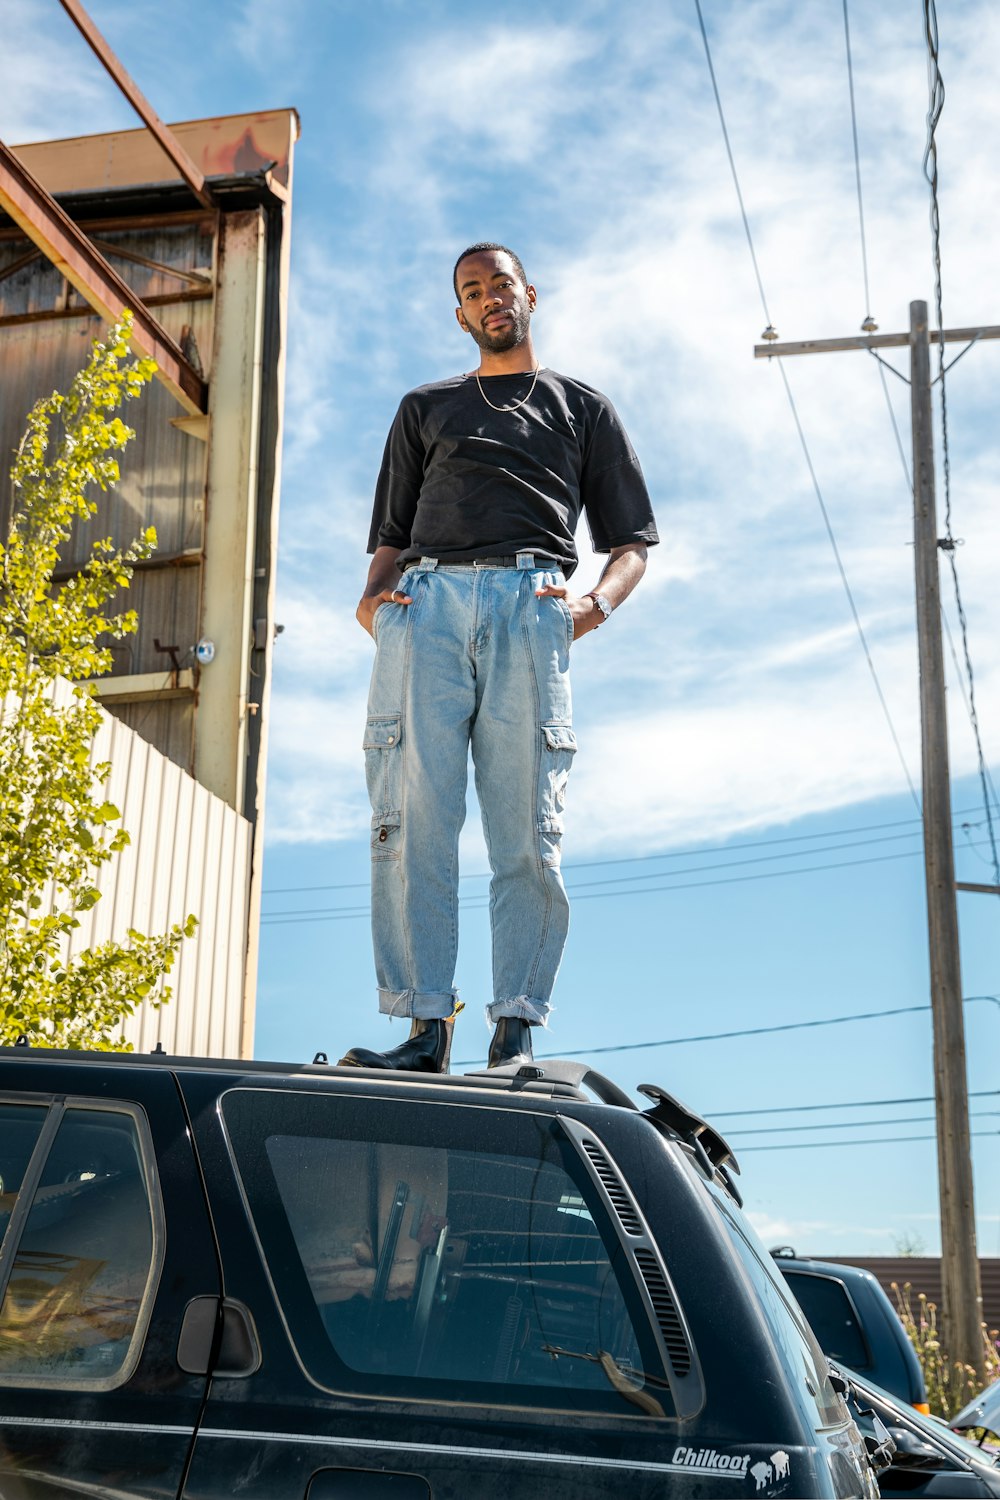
column 20, row 1125
column 444, row 1270
column 81, row 1275
column 804, row 1358
column 832, row 1317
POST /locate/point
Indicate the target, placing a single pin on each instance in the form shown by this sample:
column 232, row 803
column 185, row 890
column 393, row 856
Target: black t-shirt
column 460, row 480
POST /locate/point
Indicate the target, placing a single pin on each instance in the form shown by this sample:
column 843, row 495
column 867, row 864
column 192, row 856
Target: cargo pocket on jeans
column 558, row 749
column 385, row 836
column 383, row 766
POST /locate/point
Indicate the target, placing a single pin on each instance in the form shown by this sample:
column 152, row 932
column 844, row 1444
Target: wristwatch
column 601, row 603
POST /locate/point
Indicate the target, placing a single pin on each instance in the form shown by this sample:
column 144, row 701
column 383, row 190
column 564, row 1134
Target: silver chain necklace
column 514, row 405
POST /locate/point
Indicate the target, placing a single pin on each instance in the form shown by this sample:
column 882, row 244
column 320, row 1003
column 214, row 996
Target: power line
column 857, row 167
column 847, row 587
column 478, row 902
column 856, row 1124
column 867, row 321
column 756, row 859
column 876, row 1140
column 720, row 1036
column 635, row 859
column 798, row 1109
column 732, row 164
column 935, row 106
column 798, row 423
column 960, row 680
column 984, row 770
column 959, row 675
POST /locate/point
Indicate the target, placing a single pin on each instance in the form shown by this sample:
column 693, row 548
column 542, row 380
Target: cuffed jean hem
column 424, row 1005
column 521, row 1008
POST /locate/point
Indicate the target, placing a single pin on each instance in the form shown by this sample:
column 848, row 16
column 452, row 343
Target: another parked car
column 855, row 1323
column 280, row 1282
column 929, row 1459
column 982, row 1415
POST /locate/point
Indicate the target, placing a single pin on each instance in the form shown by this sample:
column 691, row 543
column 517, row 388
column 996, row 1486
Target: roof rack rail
column 563, row 1070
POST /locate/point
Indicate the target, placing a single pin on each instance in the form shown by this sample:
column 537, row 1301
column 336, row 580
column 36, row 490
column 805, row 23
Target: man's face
column 494, row 305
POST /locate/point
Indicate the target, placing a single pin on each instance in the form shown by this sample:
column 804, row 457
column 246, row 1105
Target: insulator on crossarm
column 770, row 334
column 869, row 325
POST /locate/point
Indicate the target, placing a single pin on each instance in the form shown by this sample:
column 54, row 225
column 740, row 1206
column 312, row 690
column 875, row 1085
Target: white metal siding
column 189, row 852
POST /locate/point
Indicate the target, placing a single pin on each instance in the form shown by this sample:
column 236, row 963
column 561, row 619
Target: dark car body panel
column 64, row 1434
column 276, row 1428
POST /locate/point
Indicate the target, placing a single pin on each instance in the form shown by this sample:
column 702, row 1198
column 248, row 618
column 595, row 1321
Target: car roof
column 844, row 1270
column 553, row 1079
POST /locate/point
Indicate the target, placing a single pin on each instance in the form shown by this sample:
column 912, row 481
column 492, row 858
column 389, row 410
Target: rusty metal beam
column 68, row 248
column 54, row 314
column 106, row 247
column 190, row 172
column 130, row 222
column 19, row 264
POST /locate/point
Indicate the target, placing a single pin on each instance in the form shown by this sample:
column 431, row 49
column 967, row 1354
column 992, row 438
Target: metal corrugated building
column 217, row 280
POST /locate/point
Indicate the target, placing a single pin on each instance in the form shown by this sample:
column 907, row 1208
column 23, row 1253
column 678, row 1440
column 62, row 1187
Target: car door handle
column 366, row 1484
column 218, row 1337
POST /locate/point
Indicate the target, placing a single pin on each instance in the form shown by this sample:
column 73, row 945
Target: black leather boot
column 424, row 1051
column 511, row 1042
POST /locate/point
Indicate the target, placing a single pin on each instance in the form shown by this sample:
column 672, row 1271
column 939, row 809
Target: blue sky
column 727, row 714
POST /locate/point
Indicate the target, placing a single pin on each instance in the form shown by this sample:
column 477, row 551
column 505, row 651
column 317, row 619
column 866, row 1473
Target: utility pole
column 961, row 1292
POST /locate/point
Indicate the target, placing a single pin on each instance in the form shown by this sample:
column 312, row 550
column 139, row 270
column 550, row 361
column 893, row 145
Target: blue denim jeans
column 476, row 660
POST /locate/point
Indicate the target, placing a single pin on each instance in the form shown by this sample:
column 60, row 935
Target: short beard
column 508, row 337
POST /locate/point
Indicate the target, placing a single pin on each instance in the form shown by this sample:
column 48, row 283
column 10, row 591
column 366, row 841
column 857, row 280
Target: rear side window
column 475, row 1265
column 804, row 1359
column 832, row 1317
column 20, row 1125
column 79, row 1270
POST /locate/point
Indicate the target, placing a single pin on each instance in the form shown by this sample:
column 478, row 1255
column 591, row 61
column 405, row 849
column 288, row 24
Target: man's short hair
column 487, row 245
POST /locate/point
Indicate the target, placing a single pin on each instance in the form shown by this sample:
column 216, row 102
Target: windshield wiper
column 618, row 1377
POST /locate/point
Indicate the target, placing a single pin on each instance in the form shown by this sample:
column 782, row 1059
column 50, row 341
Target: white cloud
column 446, row 87
column 812, row 1236
column 733, row 688
column 50, row 82
column 270, row 38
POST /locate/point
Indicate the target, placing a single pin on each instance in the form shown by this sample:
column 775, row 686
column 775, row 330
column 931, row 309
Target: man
column 482, row 484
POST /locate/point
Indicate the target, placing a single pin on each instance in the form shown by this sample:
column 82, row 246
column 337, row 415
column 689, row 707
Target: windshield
column 983, row 1410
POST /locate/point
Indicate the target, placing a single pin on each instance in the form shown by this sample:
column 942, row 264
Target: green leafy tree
column 56, row 827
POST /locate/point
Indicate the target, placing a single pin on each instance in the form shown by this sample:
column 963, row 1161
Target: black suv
column 279, row 1282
